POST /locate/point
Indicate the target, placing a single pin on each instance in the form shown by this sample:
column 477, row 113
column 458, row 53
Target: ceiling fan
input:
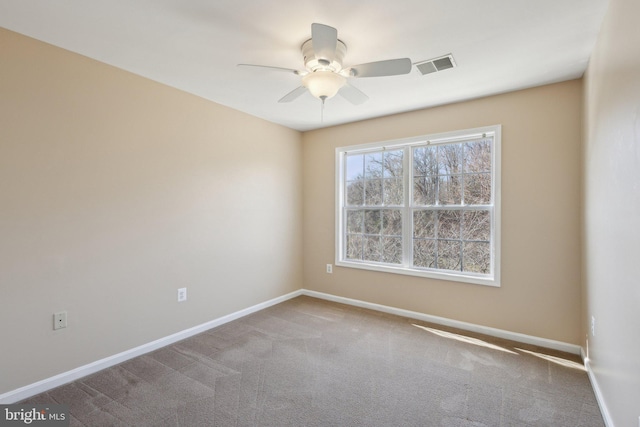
column 324, row 75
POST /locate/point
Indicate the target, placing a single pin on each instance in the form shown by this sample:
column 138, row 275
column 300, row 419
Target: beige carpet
column 308, row 362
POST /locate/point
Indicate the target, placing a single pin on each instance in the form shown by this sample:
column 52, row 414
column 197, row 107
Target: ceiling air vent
column 436, row 64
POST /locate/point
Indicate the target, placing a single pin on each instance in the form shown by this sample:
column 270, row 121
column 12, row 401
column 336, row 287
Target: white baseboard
column 606, row 416
column 499, row 333
column 82, row 371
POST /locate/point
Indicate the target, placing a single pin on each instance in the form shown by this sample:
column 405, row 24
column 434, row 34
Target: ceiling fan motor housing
column 312, row 63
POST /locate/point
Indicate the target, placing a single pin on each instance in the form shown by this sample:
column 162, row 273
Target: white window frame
column 492, row 279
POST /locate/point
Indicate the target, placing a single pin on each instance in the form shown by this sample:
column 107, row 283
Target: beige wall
column 540, row 292
column 612, row 211
column 115, row 191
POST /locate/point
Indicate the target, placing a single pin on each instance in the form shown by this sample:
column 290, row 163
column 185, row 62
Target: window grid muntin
column 436, row 238
column 364, row 234
column 460, row 175
column 371, row 175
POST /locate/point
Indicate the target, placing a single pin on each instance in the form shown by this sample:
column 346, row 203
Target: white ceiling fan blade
column 293, row 94
column 268, row 67
column 391, row 67
column 325, row 41
column 352, row 94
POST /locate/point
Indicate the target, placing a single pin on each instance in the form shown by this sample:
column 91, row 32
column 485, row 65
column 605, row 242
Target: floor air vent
column 436, row 64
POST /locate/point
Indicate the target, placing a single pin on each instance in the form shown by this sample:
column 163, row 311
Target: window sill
column 455, row 277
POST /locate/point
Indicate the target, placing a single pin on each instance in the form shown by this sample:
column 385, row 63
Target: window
column 426, row 206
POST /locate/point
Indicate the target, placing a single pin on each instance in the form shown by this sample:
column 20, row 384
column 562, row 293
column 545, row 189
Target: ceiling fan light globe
column 323, row 84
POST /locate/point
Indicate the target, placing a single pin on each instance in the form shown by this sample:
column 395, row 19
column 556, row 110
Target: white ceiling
column 194, row 45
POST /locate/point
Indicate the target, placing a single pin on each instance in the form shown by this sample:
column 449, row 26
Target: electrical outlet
column 329, row 268
column 182, row 294
column 59, row 320
column 593, row 326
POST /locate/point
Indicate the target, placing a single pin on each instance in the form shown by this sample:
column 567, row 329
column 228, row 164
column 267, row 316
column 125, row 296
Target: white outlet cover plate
column 59, row 320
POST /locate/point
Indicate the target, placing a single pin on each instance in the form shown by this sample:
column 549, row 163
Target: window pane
column 478, row 156
column 393, row 164
column 355, row 193
column 476, row 225
column 424, row 191
column 355, row 167
column 477, row 257
column 449, row 191
column 373, row 192
column 477, row 189
column 424, row 253
column 354, row 246
column 392, row 222
column 449, row 225
column 392, row 250
column 449, row 255
column 449, row 159
column 355, row 221
column 373, row 165
column 393, row 194
column 372, row 222
column 372, row 248
column 425, row 161
column 424, row 224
